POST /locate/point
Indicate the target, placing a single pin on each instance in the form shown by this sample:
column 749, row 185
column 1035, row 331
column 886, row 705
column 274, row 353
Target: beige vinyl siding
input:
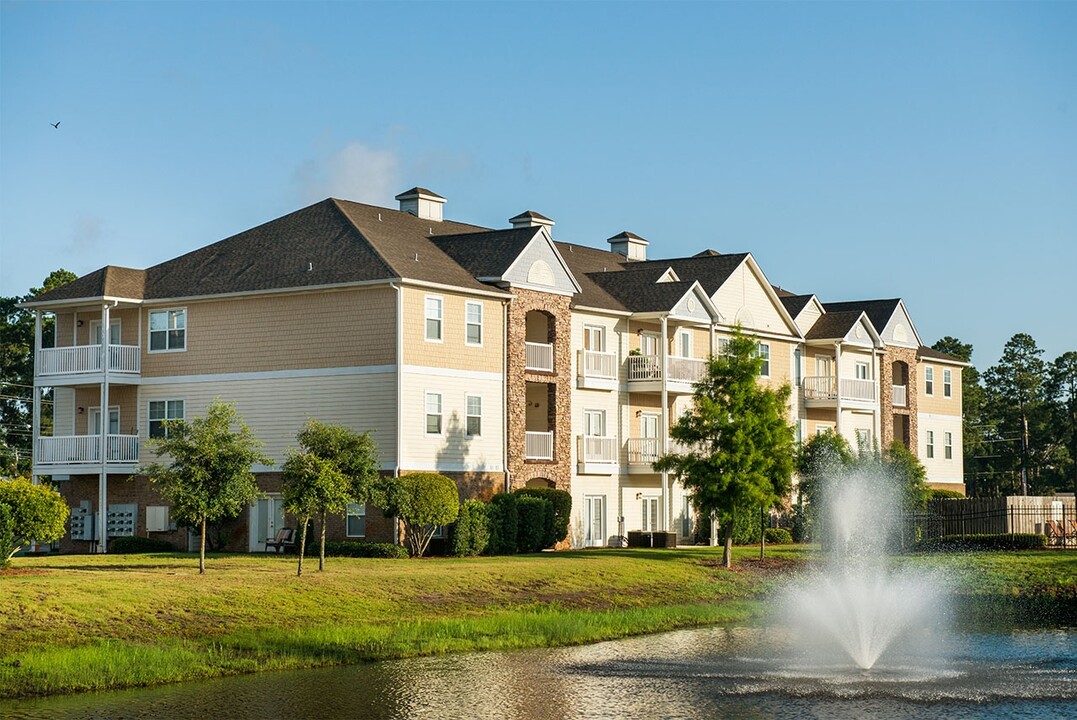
column 452, row 351
column 347, row 328
column 850, row 356
column 743, row 290
column 808, row 316
column 939, row 469
column 582, row 486
column 63, row 411
column 123, row 396
column 276, row 409
column 616, row 419
column 853, row 421
column 938, row 403
column 616, row 330
column 452, row 450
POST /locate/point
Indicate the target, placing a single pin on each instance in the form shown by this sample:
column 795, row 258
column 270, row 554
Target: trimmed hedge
column 777, row 536
column 132, row 544
column 535, row 523
column 504, row 519
column 1000, row 541
column 471, row 532
column 562, row 510
column 344, row 548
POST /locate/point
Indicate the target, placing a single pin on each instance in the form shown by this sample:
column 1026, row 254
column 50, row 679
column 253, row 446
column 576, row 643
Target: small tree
column 740, row 442
column 346, row 473
column 29, row 512
column 209, row 476
column 471, row 532
column 900, row 463
column 311, row 485
column 422, row 501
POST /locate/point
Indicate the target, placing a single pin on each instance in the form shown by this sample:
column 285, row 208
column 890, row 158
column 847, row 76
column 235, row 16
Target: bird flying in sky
column 56, row 124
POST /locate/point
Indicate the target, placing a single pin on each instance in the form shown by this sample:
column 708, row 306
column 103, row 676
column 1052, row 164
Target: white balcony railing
column 87, row 358
column 74, row 449
column 682, row 369
column 823, row 387
column 900, row 395
column 538, row 445
column 642, row 450
column 597, row 449
column 538, row 356
column 595, row 364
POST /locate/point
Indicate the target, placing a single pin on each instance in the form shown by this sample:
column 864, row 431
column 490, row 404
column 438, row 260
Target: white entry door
column 266, row 518
column 650, row 514
column 596, row 520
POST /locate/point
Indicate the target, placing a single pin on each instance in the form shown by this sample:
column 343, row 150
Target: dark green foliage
column 7, row 537
column 825, row 455
column 133, row 544
column 936, row 494
column 562, row 509
column 903, row 465
column 339, row 548
column 777, row 536
column 471, row 532
column 535, row 525
column 504, row 520
column 746, row 527
column 422, row 501
column 35, row 512
column 999, row 541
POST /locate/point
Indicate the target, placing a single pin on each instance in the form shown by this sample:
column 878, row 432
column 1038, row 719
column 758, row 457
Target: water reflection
column 712, row 673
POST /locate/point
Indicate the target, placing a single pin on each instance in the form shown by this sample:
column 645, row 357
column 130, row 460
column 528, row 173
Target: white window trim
column 929, row 381
column 681, row 337
column 149, row 331
column 94, row 324
column 97, row 409
column 441, row 319
column 150, row 419
column 947, row 383
column 929, row 444
column 766, row 360
column 867, row 369
column 348, row 513
column 587, row 413
column 468, row 415
column 821, row 428
column 440, row 413
column 947, row 446
column 595, row 330
column 482, row 335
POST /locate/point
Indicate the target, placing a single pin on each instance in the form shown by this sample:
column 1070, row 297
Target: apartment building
column 499, row 357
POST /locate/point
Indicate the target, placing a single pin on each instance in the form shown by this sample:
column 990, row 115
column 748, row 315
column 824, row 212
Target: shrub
column 999, row 541
column 562, row 510
column 35, row 512
column 936, row 494
column 535, row 523
column 777, row 536
column 343, row 548
column 471, row 533
column 132, row 544
column 504, row 519
column 7, row 537
column 746, row 527
column 422, row 501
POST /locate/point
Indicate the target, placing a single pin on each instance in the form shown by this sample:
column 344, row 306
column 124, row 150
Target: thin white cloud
column 87, row 234
column 355, row 172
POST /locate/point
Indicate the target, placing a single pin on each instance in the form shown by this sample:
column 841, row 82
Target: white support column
column 663, row 352
column 103, row 417
column 837, row 384
column 877, row 425
column 713, row 340
column 35, row 407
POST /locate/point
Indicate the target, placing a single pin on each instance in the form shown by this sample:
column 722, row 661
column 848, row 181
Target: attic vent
column 422, row 203
column 630, row 245
column 540, row 273
column 899, row 333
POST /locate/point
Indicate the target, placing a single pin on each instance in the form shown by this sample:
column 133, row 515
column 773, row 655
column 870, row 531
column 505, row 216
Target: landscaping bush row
column 129, row 545
column 344, row 548
column 525, row 521
column 999, row 541
column 777, row 536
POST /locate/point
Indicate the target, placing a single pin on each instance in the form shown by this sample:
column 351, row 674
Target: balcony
column 900, row 395
column 538, row 356
column 645, row 373
column 74, row 452
column 823, row 391
column 82, row 363
column 597, row 455
column 643, row 451
column 538, row 445
column 596, row 370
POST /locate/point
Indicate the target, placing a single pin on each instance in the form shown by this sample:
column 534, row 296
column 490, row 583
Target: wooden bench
column 285, row 539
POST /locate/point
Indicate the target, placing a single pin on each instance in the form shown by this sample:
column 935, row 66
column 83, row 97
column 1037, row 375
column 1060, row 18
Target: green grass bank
column 79, row 623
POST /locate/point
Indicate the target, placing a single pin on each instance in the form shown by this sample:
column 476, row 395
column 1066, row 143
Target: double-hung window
column 948, row 445
column 434, row 309
column 159, row 412
column 947, row 383
column 930, row 443
column 113, row 332
column 862, row 371
column 763, row 351
column 355, row 520
column 594, row 423
column 168, row 330
column 473, row 323
column 474, row 415
column 433, row 413
column 686, row 344
column 929, row 380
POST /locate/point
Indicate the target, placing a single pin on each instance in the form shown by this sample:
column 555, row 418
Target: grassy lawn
column 75, row 623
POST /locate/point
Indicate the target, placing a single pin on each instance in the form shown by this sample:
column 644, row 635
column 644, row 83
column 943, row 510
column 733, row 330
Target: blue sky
column 869, row 150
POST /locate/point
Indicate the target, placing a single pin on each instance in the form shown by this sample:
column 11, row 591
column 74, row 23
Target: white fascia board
column 545, row 237
column 722, row 327
column 901, row 304
column 773, row 296
column 850, row 337
column 602, row 311
column 330, row 287
column 75, row 303
column 500, row 295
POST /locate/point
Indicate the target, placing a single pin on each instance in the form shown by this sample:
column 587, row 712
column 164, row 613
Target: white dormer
column 422, row 203
column 630, row 245
column 530, row 218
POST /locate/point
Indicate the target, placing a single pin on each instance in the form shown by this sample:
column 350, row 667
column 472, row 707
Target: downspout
column 663, row 363
column 103, row 415
column 878, row 395
column 399, row 394
column 837, row 384
column 505, row 393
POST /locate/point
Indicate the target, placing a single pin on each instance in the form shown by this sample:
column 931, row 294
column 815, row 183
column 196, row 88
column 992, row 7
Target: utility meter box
column 121, row 520
column 83, row 521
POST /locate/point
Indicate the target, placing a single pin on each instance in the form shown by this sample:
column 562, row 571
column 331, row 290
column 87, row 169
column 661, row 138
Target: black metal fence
column 1057, row 520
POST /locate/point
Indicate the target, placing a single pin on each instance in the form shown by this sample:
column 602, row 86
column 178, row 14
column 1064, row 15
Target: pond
column 743, row 672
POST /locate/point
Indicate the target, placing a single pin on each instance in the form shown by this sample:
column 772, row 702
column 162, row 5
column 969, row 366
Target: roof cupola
column 422, row 203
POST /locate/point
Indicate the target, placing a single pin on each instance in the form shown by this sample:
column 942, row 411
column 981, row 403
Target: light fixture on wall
column 639, row 496
column 79, row 323
column 82, row 410
column 639, row 413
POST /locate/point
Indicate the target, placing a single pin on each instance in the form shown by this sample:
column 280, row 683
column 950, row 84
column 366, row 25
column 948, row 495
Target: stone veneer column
column 559, row 309
column 887, row 410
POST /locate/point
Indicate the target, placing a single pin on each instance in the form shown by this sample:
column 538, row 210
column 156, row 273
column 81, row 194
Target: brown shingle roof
column 793, row 303
column 878, row 311
column 833, row 325
column 486, row 254
column 639, row 292
column 109, row 281
column 926, row 352
column 582, row 261
column 710, row 270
